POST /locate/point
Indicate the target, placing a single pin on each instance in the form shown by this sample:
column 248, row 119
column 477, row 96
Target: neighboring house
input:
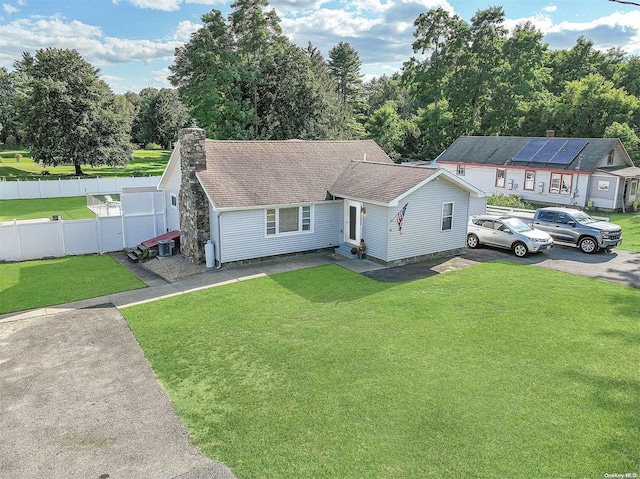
column 583, row 172
column 255, row 199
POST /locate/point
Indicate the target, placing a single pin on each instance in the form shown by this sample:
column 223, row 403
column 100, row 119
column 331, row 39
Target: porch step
column 345, row 250
column 139, row 253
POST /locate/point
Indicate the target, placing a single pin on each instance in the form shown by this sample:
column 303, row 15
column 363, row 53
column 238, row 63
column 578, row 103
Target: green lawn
column 630, row 223
column 71, row 208
column 144, row 163
column 35, row 284
column 326, row 373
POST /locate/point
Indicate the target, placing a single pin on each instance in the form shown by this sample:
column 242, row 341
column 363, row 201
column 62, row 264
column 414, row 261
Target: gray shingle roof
column 258, row 173
column 379, row 182
column 499, row 151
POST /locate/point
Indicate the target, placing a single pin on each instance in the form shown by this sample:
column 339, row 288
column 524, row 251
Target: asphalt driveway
column 79, row 400
column 617, row 266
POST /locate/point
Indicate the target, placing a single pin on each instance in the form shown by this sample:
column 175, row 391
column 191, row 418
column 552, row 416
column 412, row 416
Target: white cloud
column 184, row 30
column 9, row 8
column 167, row 5
column 550, row 8
column 161, row 76
column 36, row 33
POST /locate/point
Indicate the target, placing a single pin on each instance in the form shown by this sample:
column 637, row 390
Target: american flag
column 400, row 217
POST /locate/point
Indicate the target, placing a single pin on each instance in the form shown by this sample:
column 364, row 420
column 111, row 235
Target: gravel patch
column 174, row 268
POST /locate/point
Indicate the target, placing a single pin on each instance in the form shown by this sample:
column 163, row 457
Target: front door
column 352, row 222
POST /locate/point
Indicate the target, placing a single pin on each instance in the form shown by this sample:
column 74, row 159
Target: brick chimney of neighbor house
column 551, row 133
column 192, row 201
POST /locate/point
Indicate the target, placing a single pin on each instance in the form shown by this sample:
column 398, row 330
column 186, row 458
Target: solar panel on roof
column 568, row 152
column 529, row 150
column 550, row 150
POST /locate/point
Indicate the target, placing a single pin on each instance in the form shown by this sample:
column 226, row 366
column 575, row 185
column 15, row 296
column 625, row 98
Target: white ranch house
column 256, row 199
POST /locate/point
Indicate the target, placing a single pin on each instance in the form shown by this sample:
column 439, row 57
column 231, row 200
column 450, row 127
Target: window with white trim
column 633, row 189
column 294, row 219
column 501, row 177
column 560, row 183
column 174, row 200
column 610, row 157
column 447, row 216
column 529, row 180
column 460, row 170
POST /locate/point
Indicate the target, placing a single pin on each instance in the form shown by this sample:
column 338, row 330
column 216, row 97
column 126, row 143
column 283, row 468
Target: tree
column 329, row 121
column 384, row 127
column 589, row 105
column 344, row 64
column 207, row 72
column 289, row 99
column 159, row 116
column 444, row 37
column 628, row 137
column 630, row 76
column 519, row 84
column 69, row 114
column 9, row 120
column 243, row 79
column 382, row 89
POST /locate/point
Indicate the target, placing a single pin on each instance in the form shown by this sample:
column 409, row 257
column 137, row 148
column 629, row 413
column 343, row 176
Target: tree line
column 241, row 78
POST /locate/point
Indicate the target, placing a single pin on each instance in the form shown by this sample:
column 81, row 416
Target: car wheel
column 519, row 249
column 472, row 241
column 588, row 245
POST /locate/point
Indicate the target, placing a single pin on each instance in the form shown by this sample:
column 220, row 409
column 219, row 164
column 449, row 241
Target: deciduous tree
column 70, row 115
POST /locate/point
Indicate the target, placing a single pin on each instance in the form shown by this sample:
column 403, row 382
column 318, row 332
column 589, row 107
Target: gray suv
column 506, row 232
column 576, row 227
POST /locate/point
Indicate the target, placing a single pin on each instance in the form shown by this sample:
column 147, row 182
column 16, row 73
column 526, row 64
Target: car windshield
column 583, row 217
column 516, row 225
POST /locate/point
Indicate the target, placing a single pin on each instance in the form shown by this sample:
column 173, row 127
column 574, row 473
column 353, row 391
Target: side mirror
column 572, row 224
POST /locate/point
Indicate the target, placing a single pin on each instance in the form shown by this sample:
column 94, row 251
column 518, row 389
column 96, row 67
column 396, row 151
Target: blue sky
column 132, row 41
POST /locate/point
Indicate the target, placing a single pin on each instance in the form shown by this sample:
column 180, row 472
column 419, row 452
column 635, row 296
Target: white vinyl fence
column 143, row 217
column 18, row 190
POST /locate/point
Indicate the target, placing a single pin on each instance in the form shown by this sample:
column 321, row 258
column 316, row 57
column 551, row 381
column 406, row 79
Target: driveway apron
column 79, row 400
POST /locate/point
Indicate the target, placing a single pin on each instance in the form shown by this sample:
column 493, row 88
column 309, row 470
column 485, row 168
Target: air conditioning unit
column 541, row 187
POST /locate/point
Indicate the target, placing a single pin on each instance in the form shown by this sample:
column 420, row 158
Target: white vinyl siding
column 171, row 191
column 483, row 177
column 243, row 233
column 422, row 223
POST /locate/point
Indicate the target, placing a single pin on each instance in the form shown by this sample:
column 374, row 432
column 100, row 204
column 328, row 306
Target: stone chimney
column 551, row 133
column 192, row 201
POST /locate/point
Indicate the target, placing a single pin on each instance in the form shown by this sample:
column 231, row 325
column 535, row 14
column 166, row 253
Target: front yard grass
column 498, row 370
column 36, row 284
column 630, row 223
column 71, row 208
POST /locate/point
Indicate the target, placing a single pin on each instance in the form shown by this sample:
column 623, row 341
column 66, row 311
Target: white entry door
column 352, row 222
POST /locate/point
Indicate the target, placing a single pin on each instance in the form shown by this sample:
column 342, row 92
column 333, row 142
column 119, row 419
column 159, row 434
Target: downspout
column 219, row 242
